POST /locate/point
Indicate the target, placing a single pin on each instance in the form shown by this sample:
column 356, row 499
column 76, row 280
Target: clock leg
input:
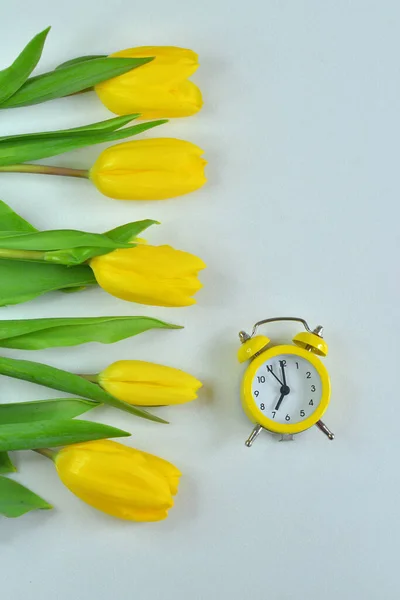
column 321, row 425
column 256, row 431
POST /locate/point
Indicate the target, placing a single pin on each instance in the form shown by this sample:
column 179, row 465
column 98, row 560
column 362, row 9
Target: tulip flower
column 146, row 384
column 117, row 260
column 152, row 169
column 155, row 275
column 159, row 88
column 118, row 480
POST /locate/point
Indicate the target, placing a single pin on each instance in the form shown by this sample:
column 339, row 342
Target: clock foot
column 256, row 431
column 322, row 427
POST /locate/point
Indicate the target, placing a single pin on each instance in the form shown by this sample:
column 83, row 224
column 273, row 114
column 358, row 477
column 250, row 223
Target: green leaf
column 127, row 233
column 6, row 465
column 73, row 256
column 12, row 78
column 10, row 221
column 66, row 382
column 68, row 246
column 71, row 79
column 99, row 127
column 57, row 239
column 54, row 432
column 43, row 410
column 23, row 281
column 75, row 252
column 23, row 148
column 16, row 500
column 80, row 59
column 64, row 246
column 37, row 334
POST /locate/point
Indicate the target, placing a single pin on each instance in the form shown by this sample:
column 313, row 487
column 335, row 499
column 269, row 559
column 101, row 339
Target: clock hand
column 283, row 373
column 277, row 378
column 279, row 401
column 285, row 390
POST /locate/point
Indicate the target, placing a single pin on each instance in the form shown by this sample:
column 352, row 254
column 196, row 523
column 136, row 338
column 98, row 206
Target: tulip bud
column 152, row 169
column 147, row 384
column 159, row 88
column 118, row 480
column 155, row 275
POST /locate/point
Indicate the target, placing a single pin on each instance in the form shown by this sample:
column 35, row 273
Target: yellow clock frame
column 256, row 415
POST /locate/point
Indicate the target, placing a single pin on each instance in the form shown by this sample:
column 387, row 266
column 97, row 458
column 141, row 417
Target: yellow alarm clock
column 286, row 389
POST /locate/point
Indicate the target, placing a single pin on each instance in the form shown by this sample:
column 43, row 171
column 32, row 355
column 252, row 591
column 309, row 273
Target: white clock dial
column 287, row 389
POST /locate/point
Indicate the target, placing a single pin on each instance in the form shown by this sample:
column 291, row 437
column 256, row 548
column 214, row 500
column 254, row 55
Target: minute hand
column 283, row 372
column 284, row 389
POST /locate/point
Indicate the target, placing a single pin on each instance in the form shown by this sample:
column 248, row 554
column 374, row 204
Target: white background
column 300, row 216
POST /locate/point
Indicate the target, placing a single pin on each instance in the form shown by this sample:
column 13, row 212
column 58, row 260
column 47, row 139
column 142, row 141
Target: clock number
column 302, row 413
column 287, row 418
column 308, row 375
column 269, row 368
column 297, row 364
column 262, row 406
column 283, row 362
column 273, row 414
column 311, row 403
column 313, row 388
column 261, row 379
column 256, row 393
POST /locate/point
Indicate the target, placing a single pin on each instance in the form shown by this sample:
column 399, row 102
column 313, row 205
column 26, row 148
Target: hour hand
column 279, row 401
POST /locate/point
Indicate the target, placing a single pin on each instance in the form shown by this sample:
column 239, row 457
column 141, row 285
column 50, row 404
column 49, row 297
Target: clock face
column 287, row 389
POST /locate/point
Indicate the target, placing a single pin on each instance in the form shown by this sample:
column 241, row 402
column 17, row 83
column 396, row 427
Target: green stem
column 47, row 452
column 22, row 254
column 45, row 170
column 92, row 378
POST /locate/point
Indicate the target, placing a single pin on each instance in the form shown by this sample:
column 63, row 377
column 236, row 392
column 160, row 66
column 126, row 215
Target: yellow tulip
column 158, row 89
column 152, row 169
column 155, row 275
column 146, row 384
column 118, row 480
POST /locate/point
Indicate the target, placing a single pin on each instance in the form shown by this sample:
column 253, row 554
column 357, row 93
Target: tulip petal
column 169, row 470
column 155, row 275
column 153, row 169
column 170, row 63
column 147, row 384
column 180, row 99
column 118, row 480
column 149, row 395
column 146, row 516
column 156, row 89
